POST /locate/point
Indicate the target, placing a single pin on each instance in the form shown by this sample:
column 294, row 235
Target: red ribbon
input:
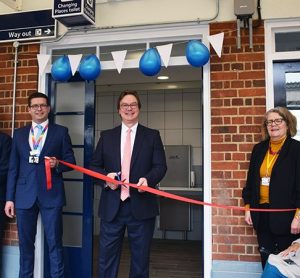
column 48, row 173
column 159, row 192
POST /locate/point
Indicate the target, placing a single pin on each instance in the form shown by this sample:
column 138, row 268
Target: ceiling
column 179, row 77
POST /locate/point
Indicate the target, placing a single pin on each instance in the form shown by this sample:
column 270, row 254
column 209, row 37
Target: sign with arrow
column 34, row 25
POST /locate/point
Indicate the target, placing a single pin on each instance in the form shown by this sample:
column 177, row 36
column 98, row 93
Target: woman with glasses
column 273, row 182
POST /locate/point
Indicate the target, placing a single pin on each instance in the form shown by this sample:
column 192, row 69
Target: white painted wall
column 116, row 13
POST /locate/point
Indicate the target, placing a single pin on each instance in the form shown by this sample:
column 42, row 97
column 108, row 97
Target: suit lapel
column 116, row 139
column 49, row 138
column 26, row 134
column 283, row 152
column 138, row 142
column 262, row 154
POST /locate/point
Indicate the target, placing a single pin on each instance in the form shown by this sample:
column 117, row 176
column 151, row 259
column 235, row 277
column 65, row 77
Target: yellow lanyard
column 269, row 163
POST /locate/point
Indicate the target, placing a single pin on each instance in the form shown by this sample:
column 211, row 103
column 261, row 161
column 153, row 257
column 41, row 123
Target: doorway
column 194, row 92
column 174, row 107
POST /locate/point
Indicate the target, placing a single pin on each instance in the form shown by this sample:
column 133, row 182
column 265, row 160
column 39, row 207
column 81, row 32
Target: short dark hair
column 37, row 95
column 126, row 93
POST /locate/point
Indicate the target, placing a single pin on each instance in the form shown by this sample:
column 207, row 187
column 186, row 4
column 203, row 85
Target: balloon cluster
column 89, row 68
column 196, row 52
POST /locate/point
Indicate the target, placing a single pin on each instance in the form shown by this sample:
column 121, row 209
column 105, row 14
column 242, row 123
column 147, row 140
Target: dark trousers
column 140, row 233
column 27, row 223
column 268, row 242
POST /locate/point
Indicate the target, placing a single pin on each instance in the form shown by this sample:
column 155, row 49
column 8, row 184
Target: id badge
column 265, row 181
column 33, row 159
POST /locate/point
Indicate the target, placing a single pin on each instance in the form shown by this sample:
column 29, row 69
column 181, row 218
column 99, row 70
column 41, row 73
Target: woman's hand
column 295, row 226
column 248, row 218
column 292, row 249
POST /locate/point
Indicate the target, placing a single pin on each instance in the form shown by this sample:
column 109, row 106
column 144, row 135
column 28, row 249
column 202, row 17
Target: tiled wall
column 176, row 113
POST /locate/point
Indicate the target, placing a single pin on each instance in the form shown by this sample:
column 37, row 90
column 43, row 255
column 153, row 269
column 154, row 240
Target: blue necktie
column 37, row 136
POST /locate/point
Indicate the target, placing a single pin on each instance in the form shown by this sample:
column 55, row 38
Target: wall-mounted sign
column 74, row 12
column 34, row 25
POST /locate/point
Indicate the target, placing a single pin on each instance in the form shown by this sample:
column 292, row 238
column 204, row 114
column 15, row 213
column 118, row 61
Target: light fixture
column 163, row 77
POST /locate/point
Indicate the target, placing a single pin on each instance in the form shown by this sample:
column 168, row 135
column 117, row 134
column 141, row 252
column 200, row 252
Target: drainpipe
column 15, row 45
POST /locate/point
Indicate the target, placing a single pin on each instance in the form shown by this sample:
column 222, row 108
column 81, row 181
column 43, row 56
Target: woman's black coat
column 284, row 184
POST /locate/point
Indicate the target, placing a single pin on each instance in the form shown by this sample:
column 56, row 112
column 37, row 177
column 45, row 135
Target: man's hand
column 144, row 182
column 53, row 161
column 10, row 209
column 112, row 186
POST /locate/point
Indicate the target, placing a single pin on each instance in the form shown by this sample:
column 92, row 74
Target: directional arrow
column 47, row 31
column 27, row 26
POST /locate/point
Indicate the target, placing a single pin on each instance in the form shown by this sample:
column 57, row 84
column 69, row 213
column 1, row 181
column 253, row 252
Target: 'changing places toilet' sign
column 73, row 13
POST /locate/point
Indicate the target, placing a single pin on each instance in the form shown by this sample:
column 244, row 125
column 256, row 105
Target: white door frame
column 141, row 34
column 272, row 27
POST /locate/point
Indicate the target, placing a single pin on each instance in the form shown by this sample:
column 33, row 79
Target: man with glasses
column 130, row 153
column 28, row 191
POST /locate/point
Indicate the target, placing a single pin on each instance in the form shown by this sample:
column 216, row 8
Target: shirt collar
column 43, row 124
column 133, row 128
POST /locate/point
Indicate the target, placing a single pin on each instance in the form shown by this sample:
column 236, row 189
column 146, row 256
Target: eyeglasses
column 275, row 121
column 125, row 106
column 37, row 106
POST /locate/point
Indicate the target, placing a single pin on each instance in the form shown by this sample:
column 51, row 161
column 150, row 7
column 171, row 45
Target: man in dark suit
column 28, row 192
column 136, row 211
column 5, row 145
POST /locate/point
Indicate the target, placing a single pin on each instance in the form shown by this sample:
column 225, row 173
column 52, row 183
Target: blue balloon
column 61, row 69
column 90, row 68
column 197, row 53
column 150, row 62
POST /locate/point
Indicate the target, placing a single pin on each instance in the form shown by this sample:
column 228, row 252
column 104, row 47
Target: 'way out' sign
column 34, row 25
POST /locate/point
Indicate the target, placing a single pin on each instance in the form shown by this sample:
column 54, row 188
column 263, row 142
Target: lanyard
column 36, row 141
column 269, row 162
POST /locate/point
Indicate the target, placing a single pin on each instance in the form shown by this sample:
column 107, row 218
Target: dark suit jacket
column 5, row 145
column 148, row 160
column 26, row 182
column 284, row 184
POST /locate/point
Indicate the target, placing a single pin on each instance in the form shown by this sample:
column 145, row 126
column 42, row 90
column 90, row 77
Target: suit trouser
column 27, row 224
column 268, row 241
column 140, row 233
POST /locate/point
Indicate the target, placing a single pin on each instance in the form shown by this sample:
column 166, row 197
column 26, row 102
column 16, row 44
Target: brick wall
column 27, row 82
column 238, row 103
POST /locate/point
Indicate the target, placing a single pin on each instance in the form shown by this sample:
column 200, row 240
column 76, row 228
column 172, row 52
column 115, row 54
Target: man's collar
column 133, row 128
column 43, row 124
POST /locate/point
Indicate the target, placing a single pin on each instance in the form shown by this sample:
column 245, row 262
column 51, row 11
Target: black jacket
column 148, row 160
column 284, row 184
